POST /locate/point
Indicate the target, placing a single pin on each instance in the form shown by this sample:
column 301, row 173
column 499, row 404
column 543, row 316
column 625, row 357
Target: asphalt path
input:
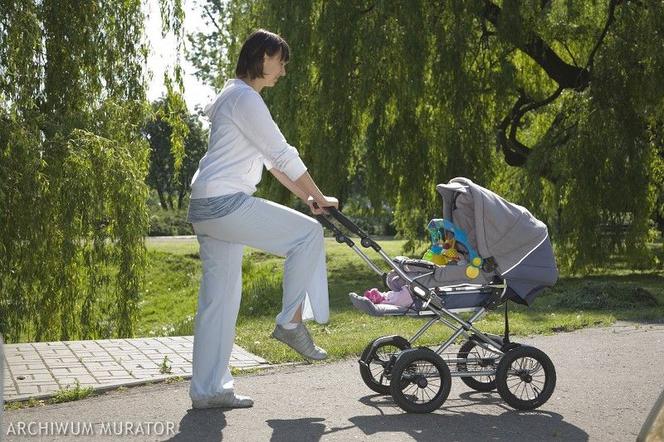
column 608, row 380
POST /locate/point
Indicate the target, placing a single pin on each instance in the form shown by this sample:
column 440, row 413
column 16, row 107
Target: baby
column 400, row 298
column 441, row 253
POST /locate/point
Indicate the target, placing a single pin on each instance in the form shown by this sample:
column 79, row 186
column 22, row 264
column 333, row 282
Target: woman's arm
column 306, row 189
column 289, row 184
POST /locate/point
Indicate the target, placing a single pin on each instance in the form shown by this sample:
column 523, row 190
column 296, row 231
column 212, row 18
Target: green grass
column 169, row 293
column 30, row 403
column 169, row 301
column 71, row 394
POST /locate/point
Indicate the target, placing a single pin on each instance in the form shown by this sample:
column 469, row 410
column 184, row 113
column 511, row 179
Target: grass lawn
column 169, row 301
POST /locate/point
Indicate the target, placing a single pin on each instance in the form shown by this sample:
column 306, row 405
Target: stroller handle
column 365, row 240
column 338, row 234
column 341, row 237
column 419, row 289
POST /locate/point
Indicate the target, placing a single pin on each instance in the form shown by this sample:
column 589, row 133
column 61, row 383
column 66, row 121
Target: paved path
column 608, row 379
column 39, row 370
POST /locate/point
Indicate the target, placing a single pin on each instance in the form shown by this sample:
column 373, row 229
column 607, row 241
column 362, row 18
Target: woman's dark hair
column 259, row 43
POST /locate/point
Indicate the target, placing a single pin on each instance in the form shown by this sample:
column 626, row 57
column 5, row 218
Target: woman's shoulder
column 246, row 99
column 235, row 89
column 234, row 92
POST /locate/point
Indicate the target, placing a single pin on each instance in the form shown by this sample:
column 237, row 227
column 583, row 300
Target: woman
column 225, row 217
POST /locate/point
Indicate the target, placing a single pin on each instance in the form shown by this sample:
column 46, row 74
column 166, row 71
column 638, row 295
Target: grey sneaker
column 299, row 340
column 226, row 400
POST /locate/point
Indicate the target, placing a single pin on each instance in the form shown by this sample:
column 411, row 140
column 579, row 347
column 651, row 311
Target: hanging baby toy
column 443, row 251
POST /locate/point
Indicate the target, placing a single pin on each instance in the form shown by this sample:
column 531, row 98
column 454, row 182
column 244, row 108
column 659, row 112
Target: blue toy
column 437, row 228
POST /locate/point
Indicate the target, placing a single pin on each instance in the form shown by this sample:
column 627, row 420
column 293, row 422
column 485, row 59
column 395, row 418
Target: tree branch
column 536, row 104
column 564, row 74
column 609, row 20
column 567, row 76
column 516, row 153
column 367, row 10
column 569, row 52
column 214, row 21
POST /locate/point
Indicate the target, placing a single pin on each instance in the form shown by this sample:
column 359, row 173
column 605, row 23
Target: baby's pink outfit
column 374, row 296
column 401, row 297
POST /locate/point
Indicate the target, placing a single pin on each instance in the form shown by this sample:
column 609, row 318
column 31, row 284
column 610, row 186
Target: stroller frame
column 496, row 346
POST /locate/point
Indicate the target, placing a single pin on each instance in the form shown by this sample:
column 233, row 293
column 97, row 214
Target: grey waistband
column 202, row 209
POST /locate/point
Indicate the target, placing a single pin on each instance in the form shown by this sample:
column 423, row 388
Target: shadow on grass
column 629, row 297
column 631, row 277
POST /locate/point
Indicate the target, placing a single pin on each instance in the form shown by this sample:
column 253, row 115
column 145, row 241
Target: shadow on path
column 201, row 425
column 309, row 429
column 454, row 421
column 451, row 422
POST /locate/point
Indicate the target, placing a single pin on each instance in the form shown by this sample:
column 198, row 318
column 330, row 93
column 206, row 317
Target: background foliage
column 73, row 163
column 555, row 104
column 169, row 179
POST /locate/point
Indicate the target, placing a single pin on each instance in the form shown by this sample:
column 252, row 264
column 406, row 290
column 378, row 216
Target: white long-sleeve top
column 243, row 138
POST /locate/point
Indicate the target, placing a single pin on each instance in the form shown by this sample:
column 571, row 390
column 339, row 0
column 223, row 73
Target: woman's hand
column 318, row 206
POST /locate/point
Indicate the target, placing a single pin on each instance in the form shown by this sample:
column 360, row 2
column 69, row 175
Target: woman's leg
column 277, row 229
column 218, row 306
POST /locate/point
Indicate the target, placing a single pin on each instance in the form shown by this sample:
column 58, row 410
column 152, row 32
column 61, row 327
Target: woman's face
column 273, row 68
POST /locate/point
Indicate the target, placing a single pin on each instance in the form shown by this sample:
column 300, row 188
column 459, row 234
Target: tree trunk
column 162, row 200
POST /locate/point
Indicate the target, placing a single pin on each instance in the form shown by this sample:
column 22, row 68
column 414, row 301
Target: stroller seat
column 457, row 297
column 432, row 275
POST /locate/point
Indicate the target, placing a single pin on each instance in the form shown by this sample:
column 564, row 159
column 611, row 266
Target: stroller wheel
column 525, row 378
column 377, row 361
column 421, row 381
column 476, row 358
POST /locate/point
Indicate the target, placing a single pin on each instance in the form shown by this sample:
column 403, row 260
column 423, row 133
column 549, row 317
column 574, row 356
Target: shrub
column 169, row 223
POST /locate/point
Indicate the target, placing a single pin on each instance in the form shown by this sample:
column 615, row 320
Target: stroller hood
column 517, row 241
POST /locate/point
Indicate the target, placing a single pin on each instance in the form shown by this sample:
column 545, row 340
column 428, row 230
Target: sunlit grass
column 169, row 303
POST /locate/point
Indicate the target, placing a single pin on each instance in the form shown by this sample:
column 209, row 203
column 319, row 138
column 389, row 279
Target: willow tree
column 72, row 167
column 556, row 104
column 171, row 184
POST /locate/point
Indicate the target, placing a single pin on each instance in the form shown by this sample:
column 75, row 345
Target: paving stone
column 46, row 376
column 79, row 371
column 25, row 357
column 49, row 366
column 40, row 385
column 29, row 389
column 73, row 379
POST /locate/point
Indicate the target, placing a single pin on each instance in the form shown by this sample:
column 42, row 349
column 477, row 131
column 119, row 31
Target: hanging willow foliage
column 172, row 18
column 558, row 105
column 72, row 168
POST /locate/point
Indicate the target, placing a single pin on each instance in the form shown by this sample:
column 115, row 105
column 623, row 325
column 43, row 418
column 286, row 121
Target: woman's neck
column 256, row 84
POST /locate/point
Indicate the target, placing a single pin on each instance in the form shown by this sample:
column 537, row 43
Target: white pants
column 267, row 226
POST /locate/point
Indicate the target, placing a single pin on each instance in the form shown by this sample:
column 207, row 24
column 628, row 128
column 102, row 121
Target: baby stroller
column 509, row 259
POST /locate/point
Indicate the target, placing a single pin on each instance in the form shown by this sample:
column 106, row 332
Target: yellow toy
column 444, row 236
column 443, row 254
